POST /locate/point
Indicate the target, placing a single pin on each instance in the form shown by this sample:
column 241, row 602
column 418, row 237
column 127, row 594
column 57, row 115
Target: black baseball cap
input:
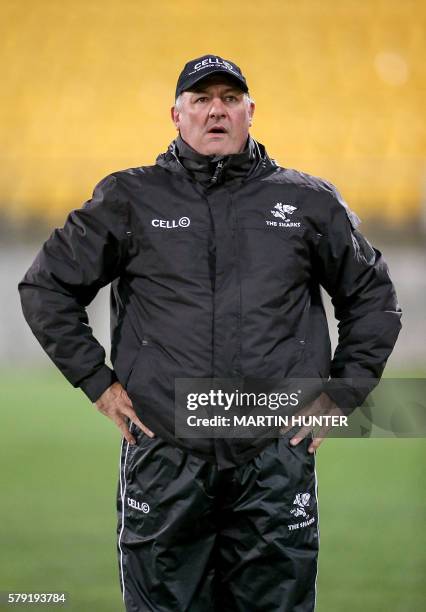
column 204, row 66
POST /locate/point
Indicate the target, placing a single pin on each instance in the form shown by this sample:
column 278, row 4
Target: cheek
column 191, row 123
column 242, row 121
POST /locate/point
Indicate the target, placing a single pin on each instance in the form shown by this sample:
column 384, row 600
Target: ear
column 175, row 115
column 251, row 111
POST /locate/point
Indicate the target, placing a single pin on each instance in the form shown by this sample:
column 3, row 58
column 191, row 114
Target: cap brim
column 232, row 77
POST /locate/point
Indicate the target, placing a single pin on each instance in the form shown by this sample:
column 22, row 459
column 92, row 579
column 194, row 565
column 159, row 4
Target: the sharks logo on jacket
column 281, row 210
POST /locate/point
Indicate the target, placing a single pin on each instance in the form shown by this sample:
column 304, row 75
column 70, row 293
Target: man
column 216, row 256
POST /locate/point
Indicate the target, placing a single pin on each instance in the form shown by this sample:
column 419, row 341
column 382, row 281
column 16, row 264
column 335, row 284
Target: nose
column 217, row 108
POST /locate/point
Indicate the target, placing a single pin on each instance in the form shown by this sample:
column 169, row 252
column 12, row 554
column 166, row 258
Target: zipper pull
column 217, row 172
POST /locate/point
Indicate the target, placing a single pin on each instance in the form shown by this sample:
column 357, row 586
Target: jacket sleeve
column 77, row 260
column 356, row 276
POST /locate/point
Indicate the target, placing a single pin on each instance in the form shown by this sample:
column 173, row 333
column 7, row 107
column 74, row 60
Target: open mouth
column 217, row 129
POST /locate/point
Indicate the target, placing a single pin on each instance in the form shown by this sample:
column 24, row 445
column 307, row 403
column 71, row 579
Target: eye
column 201, row 99
column 231, row 98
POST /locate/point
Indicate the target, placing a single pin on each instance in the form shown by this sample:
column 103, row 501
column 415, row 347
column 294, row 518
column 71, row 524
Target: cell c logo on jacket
column 184, row 221
column 171, row 224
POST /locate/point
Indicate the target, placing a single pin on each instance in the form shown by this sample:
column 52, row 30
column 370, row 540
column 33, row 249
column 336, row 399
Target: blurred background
column 86, row 90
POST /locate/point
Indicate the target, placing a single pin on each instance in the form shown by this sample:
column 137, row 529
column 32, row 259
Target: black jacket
column 216, row 266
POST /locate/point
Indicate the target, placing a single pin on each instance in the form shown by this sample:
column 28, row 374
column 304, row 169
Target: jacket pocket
column 133, row 364
column 316, row 359
column 152, row 376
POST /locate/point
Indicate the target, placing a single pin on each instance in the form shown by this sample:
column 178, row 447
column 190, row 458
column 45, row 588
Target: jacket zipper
column 217, row 172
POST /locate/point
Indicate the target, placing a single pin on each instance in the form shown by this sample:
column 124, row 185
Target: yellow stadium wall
column 87, row 88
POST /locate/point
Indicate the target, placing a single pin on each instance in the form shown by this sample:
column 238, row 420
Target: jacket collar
column 210, row 170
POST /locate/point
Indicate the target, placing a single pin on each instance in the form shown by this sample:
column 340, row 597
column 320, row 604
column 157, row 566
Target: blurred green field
column 58, row 482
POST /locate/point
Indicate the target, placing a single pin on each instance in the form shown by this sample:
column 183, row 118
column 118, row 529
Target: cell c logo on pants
column 141, row 506
column 167, row 224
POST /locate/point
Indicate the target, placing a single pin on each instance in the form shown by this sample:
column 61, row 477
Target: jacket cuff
column 95, row 384
column 347, row 398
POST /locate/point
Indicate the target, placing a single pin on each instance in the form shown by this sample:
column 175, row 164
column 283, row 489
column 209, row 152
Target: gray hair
column 178, row 102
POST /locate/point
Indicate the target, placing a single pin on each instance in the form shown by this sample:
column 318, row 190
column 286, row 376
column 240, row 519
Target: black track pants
column 195, row 539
